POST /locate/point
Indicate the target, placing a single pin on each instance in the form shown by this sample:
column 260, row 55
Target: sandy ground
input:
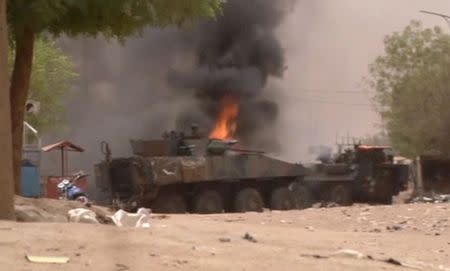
column 418, row 235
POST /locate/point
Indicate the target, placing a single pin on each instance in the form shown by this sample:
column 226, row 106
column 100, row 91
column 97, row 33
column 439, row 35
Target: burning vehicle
column 179, row 174
column 193, row 173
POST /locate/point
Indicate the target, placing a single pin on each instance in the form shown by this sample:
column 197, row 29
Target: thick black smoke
column 236, row 54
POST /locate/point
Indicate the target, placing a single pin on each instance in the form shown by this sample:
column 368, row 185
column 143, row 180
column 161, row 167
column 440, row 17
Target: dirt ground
column 417, row 235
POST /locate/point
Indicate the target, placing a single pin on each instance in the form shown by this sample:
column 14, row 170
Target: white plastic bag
column 141, row 219
column 81, row 215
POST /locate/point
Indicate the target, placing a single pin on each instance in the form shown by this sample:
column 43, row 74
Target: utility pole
column 443, row 16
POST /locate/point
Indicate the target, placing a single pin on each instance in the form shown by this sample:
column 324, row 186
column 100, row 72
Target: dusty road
column 416, row 235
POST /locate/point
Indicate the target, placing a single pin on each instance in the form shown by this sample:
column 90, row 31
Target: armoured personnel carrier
column 179, row 174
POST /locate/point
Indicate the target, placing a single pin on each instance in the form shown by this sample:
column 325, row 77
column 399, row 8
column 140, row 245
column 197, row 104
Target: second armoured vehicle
column 374, row 176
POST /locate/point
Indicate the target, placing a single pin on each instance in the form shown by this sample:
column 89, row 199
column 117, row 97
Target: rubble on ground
column 436, row 198
column 81, row 215
column 52, row 210
column 141, row 219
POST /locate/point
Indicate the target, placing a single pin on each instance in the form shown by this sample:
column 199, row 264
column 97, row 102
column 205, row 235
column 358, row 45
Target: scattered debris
column 81, row 215
column 181, row 262
column 437, row 198
column 225, row 240
column 395, row 227
column 393, row 261
column 315, row 256
column 250, row 238
column 47, row 259
column 349, row 253
column 139, row 220
column 234, row 219
column 121, row 267
column 309, row 228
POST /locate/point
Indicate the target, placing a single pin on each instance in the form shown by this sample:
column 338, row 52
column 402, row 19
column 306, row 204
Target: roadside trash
column 396, row 227
column 315, row 256
column 47, row 259
column 250, row 238
column 141, row 219
column 394, row 261
column 437, row 198
column 121, row 267
column 349, row 253
column 81, row 215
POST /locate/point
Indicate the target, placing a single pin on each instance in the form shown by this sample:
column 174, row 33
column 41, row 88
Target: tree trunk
column 20, row 82
column 6, row 163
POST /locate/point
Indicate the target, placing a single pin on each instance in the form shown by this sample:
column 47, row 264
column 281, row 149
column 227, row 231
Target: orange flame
column 225, row 126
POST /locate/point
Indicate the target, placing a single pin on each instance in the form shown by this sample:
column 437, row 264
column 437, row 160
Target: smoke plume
column 236, row 54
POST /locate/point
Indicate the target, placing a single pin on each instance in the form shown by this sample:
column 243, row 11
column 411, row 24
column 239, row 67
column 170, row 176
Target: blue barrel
column 31, row 186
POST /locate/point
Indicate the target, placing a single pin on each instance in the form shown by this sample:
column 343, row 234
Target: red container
column 52, row 185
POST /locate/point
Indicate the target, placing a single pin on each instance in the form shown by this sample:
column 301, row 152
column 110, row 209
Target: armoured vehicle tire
column 170, row 203
column 208, row 201
column 341, row 195
column 385, row 197
column 302, row 197
column 248, row 200
column 282, row 199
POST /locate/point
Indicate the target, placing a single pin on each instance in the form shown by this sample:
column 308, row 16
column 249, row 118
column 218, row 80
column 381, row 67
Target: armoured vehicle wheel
column 302, row 197
column 282, row 199
column 248, row 200
column 208, row 202
column 341, row 195
column 170, row 203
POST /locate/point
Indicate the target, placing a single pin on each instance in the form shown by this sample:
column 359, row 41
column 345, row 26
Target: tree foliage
column 412, row 83
column 112, row 18
column 51, row 78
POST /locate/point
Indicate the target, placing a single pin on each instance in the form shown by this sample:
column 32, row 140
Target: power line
column 334, row 91
column 334, row 103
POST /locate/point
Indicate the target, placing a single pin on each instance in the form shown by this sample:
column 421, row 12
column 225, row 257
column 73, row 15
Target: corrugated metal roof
column 65, row 145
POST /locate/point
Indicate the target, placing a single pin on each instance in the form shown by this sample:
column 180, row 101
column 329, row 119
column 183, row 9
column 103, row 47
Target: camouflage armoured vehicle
column 375, row 178
column 180, row 174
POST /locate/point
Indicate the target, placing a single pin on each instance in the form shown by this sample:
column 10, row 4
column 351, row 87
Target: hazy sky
column 329, row 45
